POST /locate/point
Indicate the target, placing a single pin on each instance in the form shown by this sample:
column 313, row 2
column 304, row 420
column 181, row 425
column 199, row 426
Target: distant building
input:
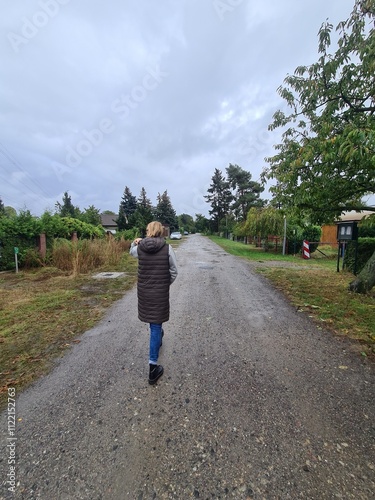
column 110, row 225
column 329, row 231
column 109, row 222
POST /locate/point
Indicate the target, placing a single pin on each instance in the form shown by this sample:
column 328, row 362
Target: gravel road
column 255, row 402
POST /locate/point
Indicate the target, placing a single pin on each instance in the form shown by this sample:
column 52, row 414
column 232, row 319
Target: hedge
column 366, row 247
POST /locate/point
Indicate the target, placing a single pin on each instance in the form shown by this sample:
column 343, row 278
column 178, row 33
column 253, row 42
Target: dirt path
column 255, row 402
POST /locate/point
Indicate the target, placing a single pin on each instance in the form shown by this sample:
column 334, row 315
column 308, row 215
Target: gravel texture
column 255, row 402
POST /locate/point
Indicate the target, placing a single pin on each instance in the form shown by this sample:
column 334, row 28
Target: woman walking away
column 157, row 270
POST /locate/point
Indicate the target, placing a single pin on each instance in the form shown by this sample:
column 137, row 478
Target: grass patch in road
column 44, row 311
column 315, row 286
column 175, row 243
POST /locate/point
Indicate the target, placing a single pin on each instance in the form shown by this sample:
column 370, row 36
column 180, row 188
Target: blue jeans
column 155, row 341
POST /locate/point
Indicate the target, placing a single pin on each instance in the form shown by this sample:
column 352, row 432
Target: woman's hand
column 137, row 240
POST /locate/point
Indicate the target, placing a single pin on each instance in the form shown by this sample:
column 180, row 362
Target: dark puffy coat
column 153, row 280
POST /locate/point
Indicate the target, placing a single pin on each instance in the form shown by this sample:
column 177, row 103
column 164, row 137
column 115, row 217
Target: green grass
column 258, row 254
column 248, row 251
column 314, row 286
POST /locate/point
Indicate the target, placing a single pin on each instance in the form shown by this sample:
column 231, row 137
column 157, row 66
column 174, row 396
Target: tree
column 262, row 222
column 326, row 161
column 202, row 224
column 128, row 206
column 186, row 223
column 219, row 197
column 246, row 192
column 2, row 208
column 10, row 211
column 66, row 208
column 91, row 215
column 143, row 213
column 165, row 212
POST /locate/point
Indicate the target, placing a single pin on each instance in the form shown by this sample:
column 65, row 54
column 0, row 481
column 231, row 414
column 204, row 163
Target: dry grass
column 83, row 256
column 45, row 311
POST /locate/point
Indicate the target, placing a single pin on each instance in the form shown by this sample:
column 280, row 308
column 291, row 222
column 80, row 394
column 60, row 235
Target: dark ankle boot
column 156, row 371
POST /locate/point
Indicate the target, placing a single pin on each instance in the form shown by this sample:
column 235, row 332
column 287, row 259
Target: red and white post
column 306, row 249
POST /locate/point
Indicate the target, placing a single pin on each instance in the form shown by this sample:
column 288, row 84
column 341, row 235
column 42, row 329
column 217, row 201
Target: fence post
column 42, row 245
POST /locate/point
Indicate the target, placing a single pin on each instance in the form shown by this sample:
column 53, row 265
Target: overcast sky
column 96, row 96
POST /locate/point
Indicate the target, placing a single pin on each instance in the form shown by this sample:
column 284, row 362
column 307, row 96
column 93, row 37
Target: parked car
column 175, row 235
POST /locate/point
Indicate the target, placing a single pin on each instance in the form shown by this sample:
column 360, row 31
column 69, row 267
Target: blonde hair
column 154, row 229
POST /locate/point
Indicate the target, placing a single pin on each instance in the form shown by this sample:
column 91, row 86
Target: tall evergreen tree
column 2, row 208
column 66, row 208
column 165, row 212
column 246, row 191
column 144, row 212
column 128, row 206
column 219, row 197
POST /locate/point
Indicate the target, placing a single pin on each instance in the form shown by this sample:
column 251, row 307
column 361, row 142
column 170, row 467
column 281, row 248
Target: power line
column 8, row 156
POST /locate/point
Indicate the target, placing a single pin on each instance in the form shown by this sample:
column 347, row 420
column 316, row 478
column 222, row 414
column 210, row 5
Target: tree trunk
column 366, row 278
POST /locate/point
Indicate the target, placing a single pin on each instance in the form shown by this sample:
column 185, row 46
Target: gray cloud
column 96, row 96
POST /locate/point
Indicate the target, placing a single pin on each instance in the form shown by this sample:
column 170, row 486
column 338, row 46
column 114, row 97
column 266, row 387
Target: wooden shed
column 329, row 231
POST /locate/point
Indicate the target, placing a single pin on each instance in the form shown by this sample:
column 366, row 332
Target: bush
column 21, row 232
column 31, row 259
column 366, row 247
column 366, row 228
column 127, row 235
column 83, row 230
column 297, row 234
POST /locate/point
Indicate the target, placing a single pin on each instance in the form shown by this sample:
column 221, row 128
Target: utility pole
column 284, row 240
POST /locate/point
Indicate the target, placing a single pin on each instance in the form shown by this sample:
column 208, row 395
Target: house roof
column 108, row 220
column 353, row 216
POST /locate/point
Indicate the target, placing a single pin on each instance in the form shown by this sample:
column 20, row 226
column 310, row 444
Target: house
column 109, row 223
column 329, row 232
